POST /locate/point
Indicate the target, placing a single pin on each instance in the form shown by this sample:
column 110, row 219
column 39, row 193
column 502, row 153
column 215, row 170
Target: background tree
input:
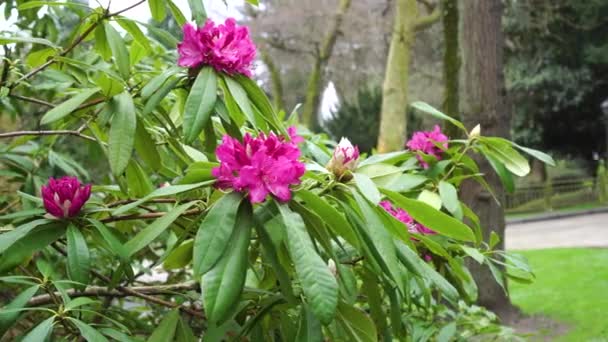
column 408, row 20
column 484, row 102
column 451, row 63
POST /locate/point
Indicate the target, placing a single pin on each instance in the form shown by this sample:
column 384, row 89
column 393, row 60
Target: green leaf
column 113, row 243
column 177, row 14
column 309, row 327
column 545, row 158
column 157, row 8
column 200, row 103
column 67, row 107
column 101, row 43
column 446, row 334
column 150, row 233
column 222, row 285
column 122, row 133
column 8, row 239
column 34, row 4
column 367, row 188
column 9, row 40
column 357, row 324
column 494, row 239
column 109, row 86
column 88, row 332
column 198, row 11
column 318, row 283
column 183, row 332
column 253, row 2
column 449, row 198
column 261, row 101
column 505, row 176
column 7, row 319
column 119, row 50
column 157, row 81
column 474, row 253
column 426, row 108
column 405, row 182
column 41, row 332
column 23, row 249
column 415, row 264
column 214, row 233
column 180, row 256
column 161, row 192
column 166, row 329
column 502, row 151
column 432, row 218
column 430, row 198
column 332, row 217
column 78, row 256
column 387, row 158
column 135, row 32
column 241, row 98
column 157, row 97
column 80, row 301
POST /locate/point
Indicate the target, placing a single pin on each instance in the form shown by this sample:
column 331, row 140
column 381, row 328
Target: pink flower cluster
column 226, row 47
column 403, row 216
column 264, row 165
column 64, row 197
column 424, row 141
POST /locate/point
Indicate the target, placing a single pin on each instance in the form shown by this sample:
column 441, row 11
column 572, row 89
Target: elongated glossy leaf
column 367, row 188
column 261, row 101
column 180, row 256
column 430, row 198
column 309, row 327
column 198, row 11
column 502, row 151
column 162, row 192
column 426, row 108
column 157, row 81
column 41, row 332
column 432, row 218
column 135, row 32
column 222, row 285
column 23, row 248
column 405, row 182
column 387, row 158
column 146, row 147
column 78, row 256
column 505, row 176
column 318, row 283
column 545, row 158
column 166, row 329
column 449, row 198
column 240, row 97
column 114, row 244
column 334, row 219
column 157, row 8
column 119, row 50
column 67, row 107
column 101, row 43
column 122, row 133
column 357, row 324
column 8, row 239
column 177, row 14
column 416, row 265
column 34, row 4
column 214, row 233
column 31, row 40
column 8, row 318
column 150, row 233
column 156, row 98
column 200, row 103
column 88, row 332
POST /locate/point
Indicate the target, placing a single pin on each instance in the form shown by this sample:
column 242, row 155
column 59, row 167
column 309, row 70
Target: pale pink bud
column 64, row 197
column 345, row 158
column 331, row 264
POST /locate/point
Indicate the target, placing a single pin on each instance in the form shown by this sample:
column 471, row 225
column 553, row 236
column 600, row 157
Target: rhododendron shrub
column 158, row 195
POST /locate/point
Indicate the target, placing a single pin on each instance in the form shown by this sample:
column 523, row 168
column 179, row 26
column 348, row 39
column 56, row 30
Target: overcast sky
column 216, row 9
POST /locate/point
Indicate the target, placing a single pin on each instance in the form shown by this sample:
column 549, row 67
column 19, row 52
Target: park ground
column 568, row 301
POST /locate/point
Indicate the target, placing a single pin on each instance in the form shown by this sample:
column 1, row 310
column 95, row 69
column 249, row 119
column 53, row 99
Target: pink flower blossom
column 345, row 158
column 64, row 197
column 264, row 165
column 424, row 141
column 226, row 47
column 403, row 216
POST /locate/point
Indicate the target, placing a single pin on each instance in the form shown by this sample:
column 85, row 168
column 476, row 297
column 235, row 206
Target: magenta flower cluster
column 64, row 197
column 226, row 47
column 424, row 141
column 403, row 216
column 267, row 164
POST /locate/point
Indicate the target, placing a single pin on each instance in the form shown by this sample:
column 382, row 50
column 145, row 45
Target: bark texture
column 393, row 123
column 451, row 65
column 276, row 84
column 484, row 101
column 316, row 80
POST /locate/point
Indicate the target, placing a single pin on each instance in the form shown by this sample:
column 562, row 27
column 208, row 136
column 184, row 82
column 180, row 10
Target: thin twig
column 126, row 9
column 101, row 291
column 32, row 100
column 130, row 200
column 147, row 216
column 49, row 132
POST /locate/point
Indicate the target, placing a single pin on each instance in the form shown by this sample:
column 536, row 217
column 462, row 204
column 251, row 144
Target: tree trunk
column 310, row 112
column 451, row 65
column 484, row 101
column 393, row 123
column 276, row 85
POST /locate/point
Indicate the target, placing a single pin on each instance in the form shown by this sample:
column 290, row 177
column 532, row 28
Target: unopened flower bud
column 64, row 197
column 475, row 132
column 332, row 267
column 345, row 158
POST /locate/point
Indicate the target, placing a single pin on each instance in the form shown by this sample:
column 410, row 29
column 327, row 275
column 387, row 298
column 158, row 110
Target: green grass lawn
column 571, row 287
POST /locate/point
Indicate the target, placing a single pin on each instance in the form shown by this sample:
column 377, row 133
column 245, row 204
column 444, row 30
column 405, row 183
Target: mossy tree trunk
column 276, row 83
column 484, row 101
column 310, row 111
column 451, row 65
column 393, row 124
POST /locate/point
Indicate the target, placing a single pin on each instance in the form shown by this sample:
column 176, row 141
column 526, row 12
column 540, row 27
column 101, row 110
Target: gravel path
column 578, row 231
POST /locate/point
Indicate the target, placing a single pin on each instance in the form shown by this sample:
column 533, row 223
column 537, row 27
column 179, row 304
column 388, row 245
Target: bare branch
column 40, row 133
column 32, row 100
column 148, row 216
column 426, row 21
